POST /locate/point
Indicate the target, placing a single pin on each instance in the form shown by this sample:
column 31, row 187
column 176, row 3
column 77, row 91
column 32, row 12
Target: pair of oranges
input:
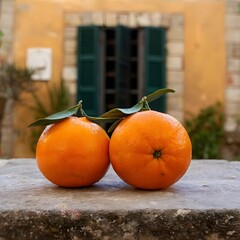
column 147, row 149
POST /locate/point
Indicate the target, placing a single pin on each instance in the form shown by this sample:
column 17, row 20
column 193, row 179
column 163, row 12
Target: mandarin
column 150, row 150
column 73, row 152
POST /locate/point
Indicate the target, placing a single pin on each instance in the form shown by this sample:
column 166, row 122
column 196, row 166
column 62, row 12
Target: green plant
column 206, row 131
column 1, row 36
column 14, row 81
column 59, row 99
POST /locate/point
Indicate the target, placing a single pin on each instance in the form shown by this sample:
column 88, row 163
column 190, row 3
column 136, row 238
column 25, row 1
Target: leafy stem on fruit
column 113, row 116
column 53, row 118
column 145, row 104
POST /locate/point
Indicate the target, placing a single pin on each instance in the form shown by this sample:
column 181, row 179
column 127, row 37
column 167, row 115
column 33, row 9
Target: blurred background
column 112, row 53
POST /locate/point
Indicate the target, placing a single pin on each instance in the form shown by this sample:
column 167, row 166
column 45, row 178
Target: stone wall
column 232, row 102
column 175, row 46
column 6, row 25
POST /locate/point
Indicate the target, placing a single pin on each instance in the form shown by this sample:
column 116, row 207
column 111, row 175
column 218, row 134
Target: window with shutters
column 118, row 66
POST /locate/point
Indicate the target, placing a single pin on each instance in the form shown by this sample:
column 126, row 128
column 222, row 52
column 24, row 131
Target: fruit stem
column 157, row 154
column 145, row 104
column 80, row 109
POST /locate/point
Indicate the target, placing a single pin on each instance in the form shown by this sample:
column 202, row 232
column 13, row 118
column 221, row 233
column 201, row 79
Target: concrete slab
column 204, row 204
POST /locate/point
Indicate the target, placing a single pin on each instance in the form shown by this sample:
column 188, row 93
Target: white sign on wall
column 40, row 60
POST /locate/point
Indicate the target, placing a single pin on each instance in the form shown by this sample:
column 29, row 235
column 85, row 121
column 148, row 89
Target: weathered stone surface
column 204, row 204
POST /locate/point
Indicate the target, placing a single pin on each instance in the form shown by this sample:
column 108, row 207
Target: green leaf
column 117, row 113
column 53, row 118
column 120, row 113
column 98, row 119
column 114, row 125
column 114, row 115
column 155, row 95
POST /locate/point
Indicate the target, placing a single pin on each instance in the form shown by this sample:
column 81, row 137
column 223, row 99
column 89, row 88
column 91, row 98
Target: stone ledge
column 204, row 204
column 118, row 225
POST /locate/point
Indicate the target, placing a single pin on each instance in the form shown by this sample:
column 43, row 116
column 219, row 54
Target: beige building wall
column 41, row 23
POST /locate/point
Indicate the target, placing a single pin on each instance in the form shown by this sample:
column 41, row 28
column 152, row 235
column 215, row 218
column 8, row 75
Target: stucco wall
column 40, row 23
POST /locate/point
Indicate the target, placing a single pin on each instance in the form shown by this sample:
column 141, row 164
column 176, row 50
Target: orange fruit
column 150, row 150
column 73, row 152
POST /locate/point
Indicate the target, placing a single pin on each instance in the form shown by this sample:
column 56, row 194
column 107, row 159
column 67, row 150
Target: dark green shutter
column 88, row 82
column 123, row 66
column 155, row 64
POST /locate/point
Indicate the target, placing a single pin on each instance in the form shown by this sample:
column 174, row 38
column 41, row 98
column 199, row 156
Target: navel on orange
column 150, row 150
column 73, row 152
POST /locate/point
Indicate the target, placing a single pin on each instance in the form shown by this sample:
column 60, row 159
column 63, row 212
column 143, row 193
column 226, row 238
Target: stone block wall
column 6, row 25
column 232, row 93
column 175, row 46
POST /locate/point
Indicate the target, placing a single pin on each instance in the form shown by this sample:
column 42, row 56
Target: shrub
column 206, row 131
